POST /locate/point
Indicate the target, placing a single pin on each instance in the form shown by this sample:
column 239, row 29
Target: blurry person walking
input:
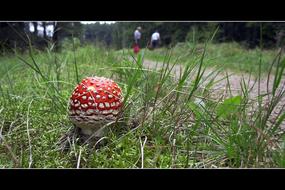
column 155, row 39
column 137, row 38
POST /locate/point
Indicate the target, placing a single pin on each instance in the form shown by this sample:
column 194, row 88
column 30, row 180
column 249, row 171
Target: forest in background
column 120, row 34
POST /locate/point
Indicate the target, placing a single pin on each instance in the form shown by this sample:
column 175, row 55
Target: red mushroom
column 95, row 102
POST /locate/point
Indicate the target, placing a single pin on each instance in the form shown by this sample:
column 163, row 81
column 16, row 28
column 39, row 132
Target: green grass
column 229, row 56
column 172, row 130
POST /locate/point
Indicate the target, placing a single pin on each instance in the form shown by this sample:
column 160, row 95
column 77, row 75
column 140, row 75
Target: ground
column 235, row 80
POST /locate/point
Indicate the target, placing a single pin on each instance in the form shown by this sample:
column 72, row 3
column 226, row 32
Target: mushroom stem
column 91, row 131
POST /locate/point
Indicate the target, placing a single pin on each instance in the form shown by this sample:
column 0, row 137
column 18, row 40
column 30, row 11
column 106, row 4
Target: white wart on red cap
column 95, row 102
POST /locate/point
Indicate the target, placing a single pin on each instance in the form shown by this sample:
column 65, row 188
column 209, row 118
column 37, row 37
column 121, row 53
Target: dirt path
column 234, row 79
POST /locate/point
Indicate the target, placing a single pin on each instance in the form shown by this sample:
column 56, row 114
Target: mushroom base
column 92, row 131
column 95, row 129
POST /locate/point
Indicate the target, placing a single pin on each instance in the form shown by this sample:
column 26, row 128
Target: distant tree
column 64, row 30
column 35, row 28
column 120, row 34
column 13, row 36
column 44, row 31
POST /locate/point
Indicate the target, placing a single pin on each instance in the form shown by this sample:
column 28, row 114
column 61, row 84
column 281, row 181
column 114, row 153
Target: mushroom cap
column 95, row 102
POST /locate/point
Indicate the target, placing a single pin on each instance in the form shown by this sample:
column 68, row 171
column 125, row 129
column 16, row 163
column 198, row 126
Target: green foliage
column 99, row 33
column 70, row 43
column 231, row 56
column 229, row 106
column 69, row 29
column 201, row 32
column 164, row 125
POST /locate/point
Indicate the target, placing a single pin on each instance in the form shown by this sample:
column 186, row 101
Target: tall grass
column 229, row 56
column 169, row 121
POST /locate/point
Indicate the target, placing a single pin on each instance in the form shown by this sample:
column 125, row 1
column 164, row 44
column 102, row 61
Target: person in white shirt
column 155, row 38
column 137, row 35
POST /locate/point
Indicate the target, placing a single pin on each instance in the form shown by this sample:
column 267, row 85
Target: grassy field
column 230, row 56
column 167, row 123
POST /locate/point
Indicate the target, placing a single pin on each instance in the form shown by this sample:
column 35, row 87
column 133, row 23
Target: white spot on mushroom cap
column 107, row 104
column 90, row 111
column 77, row 104
column 84, row 105
column 110, row 96
column 98, row 96
column 90, row 88
column 84, row 97
column 101, row 105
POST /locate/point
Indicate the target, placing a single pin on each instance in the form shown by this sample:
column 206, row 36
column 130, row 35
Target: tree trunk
column 55, row 35
column 45, row 32
column 35, row 28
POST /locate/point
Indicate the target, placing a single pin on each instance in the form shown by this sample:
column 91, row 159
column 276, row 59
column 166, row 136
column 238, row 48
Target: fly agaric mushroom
column 95, row 102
